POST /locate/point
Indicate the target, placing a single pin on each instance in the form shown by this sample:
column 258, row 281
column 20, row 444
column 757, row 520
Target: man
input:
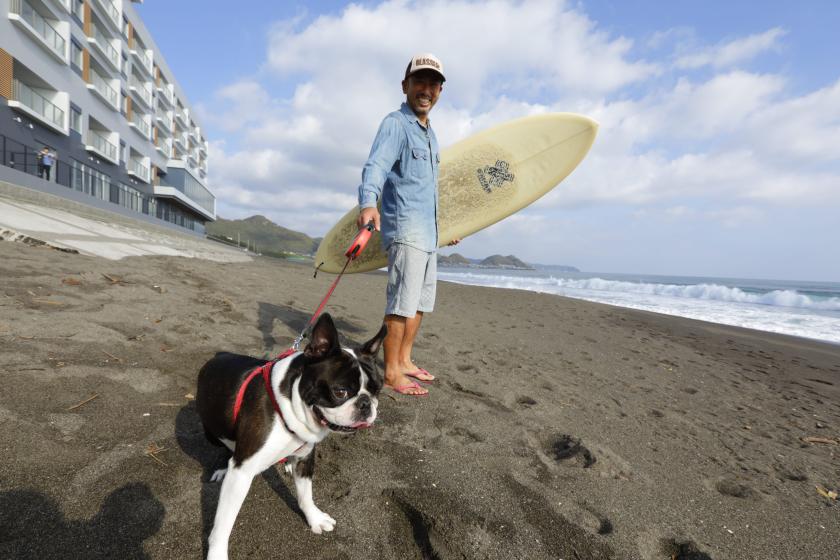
column 47, row 160
column 401, row 175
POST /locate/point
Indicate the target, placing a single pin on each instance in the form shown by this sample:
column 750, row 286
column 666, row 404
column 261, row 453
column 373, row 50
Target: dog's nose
column 363, row 404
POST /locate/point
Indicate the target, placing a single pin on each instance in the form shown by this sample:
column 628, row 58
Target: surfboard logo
column 494, row 176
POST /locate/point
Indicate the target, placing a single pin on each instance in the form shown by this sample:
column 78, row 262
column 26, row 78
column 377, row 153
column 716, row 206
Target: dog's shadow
column 190, row 436
column 32, row 526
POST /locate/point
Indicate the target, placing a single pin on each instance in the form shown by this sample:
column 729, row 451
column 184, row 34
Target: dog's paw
column 217, row 554
column 319, row 521
column 218, row 475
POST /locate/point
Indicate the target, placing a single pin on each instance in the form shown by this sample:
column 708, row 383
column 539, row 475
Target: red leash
column 356, row 247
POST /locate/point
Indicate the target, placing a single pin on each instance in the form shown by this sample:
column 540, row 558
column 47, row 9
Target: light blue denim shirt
column 402, row 173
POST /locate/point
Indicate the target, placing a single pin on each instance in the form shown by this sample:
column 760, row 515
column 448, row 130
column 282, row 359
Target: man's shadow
column 32, row 526
column 296, row 321
column 190, row 436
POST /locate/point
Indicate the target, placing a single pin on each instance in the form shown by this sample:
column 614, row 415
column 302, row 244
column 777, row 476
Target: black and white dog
column 295, row 404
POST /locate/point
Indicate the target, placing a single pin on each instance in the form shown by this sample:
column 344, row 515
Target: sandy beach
column 556, row 429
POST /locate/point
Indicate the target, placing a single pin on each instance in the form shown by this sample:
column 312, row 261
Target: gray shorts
column 412, row 280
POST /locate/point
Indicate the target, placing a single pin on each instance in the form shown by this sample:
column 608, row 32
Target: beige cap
column 424, row 61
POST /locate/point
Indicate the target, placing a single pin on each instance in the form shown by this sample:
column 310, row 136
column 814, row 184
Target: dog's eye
column 341, row 393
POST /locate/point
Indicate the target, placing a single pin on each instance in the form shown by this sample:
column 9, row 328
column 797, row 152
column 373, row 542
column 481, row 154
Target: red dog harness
column 265, row 371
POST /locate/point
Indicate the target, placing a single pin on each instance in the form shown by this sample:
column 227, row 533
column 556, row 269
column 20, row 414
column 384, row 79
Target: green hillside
column 270, row 238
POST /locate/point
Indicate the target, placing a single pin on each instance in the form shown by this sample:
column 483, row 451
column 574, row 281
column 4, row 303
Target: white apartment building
column 85, row 79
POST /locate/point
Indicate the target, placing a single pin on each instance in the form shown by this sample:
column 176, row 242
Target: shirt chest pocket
column 420, row 164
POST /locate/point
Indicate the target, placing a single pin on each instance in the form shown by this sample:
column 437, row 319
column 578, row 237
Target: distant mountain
column 270, row 238
column 509, row 261
column 454, row 259
column 495, row 261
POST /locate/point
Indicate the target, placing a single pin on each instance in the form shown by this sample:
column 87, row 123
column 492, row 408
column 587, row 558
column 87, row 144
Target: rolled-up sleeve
column 386, row 150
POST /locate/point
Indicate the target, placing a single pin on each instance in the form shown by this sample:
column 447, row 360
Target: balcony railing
column 37, row 103
column 106, row 47
column 41, row 26
column 138, row 169
column 111, row 10
column 102, row 145
column 142, row 90
column 143, row 58
column 164, row 94
column 165, row 120
column 104, row 89
column 140, row 123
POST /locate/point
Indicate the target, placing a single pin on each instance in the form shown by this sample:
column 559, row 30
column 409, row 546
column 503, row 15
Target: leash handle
column 360, row 241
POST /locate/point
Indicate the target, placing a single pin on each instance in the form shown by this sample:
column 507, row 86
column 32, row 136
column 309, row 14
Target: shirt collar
column 405, row 109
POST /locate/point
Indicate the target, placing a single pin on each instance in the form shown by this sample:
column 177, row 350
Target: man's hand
column 366, row 216
column 453, row 242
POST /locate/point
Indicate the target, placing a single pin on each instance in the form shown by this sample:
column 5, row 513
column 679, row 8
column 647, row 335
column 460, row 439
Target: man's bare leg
column 398, row 330
column 412, row 327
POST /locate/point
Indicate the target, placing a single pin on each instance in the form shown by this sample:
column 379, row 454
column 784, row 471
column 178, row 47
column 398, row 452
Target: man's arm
column 385, row 151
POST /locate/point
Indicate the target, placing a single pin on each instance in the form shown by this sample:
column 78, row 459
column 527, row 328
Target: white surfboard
column 483, row 179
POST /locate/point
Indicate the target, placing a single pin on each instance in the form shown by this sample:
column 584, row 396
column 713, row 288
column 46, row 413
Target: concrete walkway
column 45, row 219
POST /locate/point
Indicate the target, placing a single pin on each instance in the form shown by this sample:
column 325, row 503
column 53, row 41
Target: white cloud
column 733, row 52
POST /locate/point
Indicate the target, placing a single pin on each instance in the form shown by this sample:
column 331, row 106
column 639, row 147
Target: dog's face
column 340, row 385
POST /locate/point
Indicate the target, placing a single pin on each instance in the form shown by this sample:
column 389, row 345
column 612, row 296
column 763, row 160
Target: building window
column 125, row 28
column 89, row 181
column 123, row 103
column 76, row 56
column 123, row 152
column 75, row 119
column 79, row 10
column 124, row 66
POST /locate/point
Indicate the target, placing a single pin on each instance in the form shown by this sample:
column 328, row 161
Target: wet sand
column 556, row 429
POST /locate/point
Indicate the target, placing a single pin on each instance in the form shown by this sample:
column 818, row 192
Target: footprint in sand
column 683, row 550
column 728, row 486
column 569, row 450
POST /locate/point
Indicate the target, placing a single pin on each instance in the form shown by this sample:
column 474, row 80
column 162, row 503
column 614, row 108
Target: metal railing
column 103, row 88
column 165, row 94
column 145, row 93
column 79, row 177
column 144, row 58
column 165, row 120
column 140, row 123
column 111, row 10
column 40, row 24
column 106, row 46
column 138, row 169
column 38, row 103
column 102, row 144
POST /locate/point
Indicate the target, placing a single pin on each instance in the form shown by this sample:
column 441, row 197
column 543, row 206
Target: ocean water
column 805, row 309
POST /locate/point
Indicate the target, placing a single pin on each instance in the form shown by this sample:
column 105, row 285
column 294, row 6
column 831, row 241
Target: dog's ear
column 324, row 338
column 371, row 347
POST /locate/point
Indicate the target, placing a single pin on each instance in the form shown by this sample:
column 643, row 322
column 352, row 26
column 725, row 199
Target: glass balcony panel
column 105, row 44
column 40, row 24
column 38, row 103
column 103, row 88
column 111, row 10
column 139, row 169
column 140, row 123
column 141, row 88
column 102, row 145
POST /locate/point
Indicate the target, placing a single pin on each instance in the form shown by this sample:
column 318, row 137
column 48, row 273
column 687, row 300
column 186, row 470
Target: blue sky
column 720, row 122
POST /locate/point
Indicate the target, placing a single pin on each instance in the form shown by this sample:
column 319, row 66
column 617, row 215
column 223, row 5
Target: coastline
column 557, row 428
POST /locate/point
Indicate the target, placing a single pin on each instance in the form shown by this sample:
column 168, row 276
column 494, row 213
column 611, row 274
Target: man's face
column 422, row 90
